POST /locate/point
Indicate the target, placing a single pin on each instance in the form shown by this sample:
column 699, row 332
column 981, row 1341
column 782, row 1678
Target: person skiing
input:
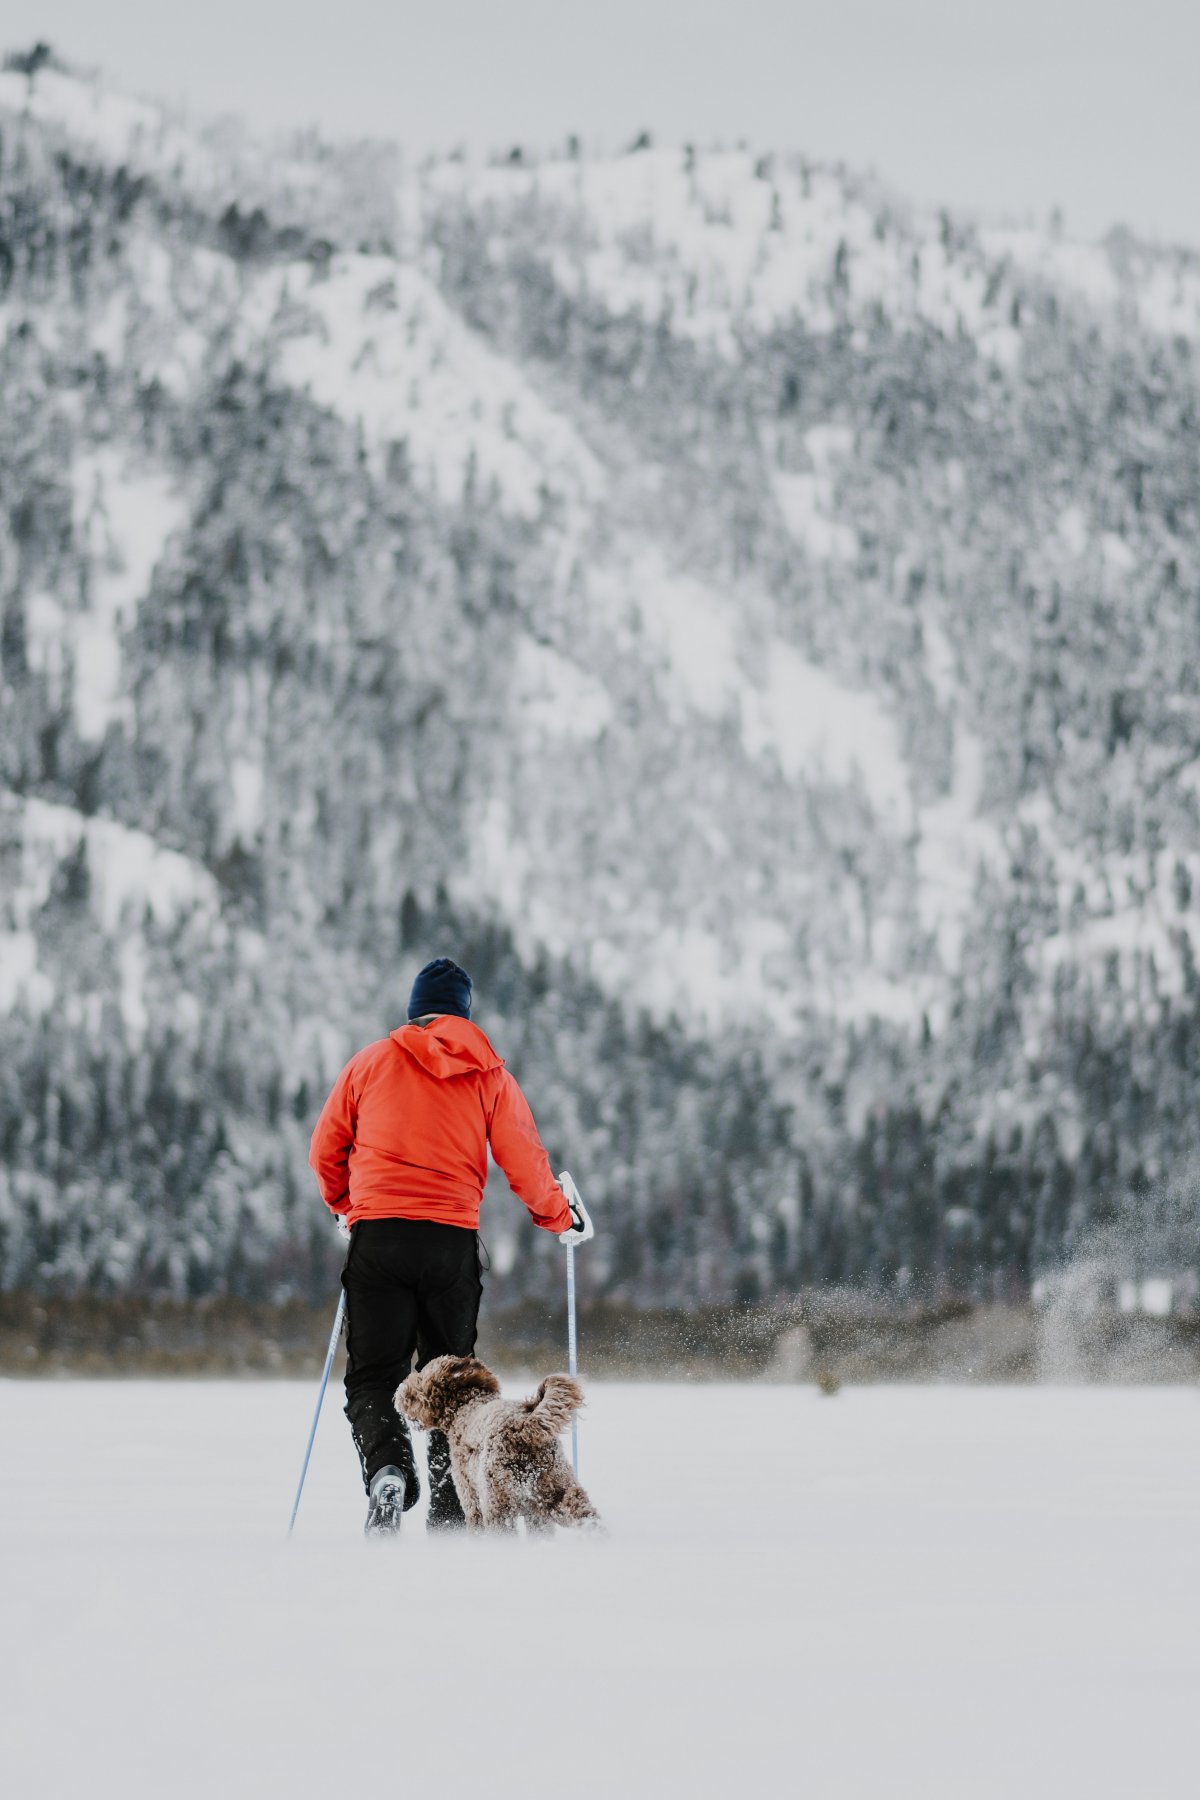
column 400, row 1154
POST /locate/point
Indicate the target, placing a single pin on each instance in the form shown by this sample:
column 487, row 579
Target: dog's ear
column 460, row 1379
column 468, row 1376
column 417, row 1400
column 432, row 1396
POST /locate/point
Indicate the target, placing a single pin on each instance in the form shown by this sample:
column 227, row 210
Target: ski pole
column 572, row 1362
column 580, row 1214
column 334, row 1335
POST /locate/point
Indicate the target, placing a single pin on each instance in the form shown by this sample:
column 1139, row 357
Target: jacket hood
column 449, row 1046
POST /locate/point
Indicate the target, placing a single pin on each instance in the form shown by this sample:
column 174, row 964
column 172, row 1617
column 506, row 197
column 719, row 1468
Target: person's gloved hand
column 582, row 1230
column 343, row 1225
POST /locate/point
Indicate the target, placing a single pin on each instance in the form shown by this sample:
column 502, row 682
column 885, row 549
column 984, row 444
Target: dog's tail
column 551, row 1407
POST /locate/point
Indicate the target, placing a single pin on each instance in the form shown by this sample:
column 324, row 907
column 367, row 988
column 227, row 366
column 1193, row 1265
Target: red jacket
column 405, row 1132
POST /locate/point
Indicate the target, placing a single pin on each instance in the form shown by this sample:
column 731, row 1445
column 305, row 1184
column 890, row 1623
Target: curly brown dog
column 505, row 1455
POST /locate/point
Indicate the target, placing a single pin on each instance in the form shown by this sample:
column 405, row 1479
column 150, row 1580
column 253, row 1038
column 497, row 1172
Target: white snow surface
column 373, row 340
column 116, row 128
column 1157, row 286
column 727, row 239
column 111, row 123
column 127, row 867
column 816, row 725
column 806, row 502
column 926, row 1593
column 955, row 838
column 794, row 712
column 1117, row 915
column 246, row 779
column 707, row 656
column 129, row 875
column 20, row 977
column 555, row 696
column 124, row 518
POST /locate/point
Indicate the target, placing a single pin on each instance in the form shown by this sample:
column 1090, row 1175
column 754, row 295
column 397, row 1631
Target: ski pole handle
column 581, row 1230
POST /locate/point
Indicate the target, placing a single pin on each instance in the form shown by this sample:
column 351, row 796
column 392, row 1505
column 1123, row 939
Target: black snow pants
column 411, row 1286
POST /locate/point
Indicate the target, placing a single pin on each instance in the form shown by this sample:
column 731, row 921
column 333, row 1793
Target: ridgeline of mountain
column 751, row 623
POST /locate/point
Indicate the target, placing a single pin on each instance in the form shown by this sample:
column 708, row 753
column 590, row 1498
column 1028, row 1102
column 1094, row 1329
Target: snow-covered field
column 889, row 1592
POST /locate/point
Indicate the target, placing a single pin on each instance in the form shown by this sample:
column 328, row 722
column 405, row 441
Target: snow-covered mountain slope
column 730, row 244
column 695, row 583
column 115, row 129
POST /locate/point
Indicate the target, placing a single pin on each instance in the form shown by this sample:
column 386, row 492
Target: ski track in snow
column 913, row 1592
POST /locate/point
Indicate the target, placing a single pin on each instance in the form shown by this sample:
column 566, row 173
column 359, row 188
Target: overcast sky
column 1007, row 108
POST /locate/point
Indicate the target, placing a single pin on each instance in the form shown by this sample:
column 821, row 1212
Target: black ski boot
column 384, row 1447
column 389, row 1490
column 445, row 1507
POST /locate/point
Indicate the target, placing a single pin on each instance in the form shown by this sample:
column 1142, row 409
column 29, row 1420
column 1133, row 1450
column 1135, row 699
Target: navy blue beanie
column 441, row 987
